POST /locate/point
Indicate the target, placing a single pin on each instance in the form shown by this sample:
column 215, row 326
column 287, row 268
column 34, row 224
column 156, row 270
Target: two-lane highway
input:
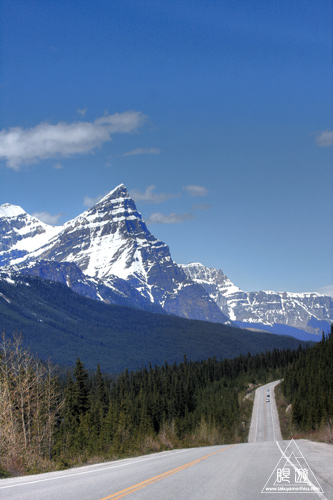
column 265, row 424
column 231, row 472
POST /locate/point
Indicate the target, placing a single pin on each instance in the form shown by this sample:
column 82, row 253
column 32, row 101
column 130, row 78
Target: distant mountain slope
column 278, row 312
column 111, row 290
column 58, row 323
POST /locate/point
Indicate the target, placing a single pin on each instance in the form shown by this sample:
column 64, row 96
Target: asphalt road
column 265, row 421
column 231, row 472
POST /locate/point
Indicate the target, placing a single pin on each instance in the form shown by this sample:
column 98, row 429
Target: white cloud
column 90, row 202
column 143, row 151
column 326, row 290
column 47, row 217
column 196, row 190
column 57, row 166
column 325, row 138
column 20, row 146
column 149, row 196
column 173, row 218
column 82, row 112
column 201, row 206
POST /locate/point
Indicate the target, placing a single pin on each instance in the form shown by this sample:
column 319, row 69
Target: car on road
column 267, row 400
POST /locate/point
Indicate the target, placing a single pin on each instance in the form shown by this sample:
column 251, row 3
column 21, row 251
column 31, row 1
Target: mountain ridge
column 308, row 311
column 108, row 253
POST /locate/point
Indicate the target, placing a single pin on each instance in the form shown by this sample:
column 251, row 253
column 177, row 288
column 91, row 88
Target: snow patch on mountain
column 2, row 296
column 7, row 210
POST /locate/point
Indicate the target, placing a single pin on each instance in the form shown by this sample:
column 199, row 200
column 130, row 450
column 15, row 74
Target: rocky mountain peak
column 110, row 240
column 7, row 210
column 119, row 192
column 117, row 206
column 210, row 278
column 20, row 233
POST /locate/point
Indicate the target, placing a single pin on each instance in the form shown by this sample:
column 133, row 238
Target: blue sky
column 216, row 115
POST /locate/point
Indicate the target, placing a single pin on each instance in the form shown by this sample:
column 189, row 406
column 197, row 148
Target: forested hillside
column 55, row 321
column 308, row 386
column 50, row 422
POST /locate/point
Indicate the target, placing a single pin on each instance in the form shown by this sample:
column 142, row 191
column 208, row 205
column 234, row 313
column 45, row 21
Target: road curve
column 231, row 472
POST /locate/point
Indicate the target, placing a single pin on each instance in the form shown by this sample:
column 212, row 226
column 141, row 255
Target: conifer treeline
column 192, row 403
column 95, row 416
column 308, row 385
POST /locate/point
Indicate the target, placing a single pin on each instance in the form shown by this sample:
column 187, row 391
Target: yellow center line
column 152, row 480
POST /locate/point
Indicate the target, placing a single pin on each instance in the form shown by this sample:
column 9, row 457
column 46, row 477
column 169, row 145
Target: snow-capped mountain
column 274, row 311
column 111, row 240
column 112, row 290
column 20, row 233
column 108, row 253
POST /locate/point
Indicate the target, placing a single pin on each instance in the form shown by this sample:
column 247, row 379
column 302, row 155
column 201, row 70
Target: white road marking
column 259, row 393
column 272, row 417
column 63, row 476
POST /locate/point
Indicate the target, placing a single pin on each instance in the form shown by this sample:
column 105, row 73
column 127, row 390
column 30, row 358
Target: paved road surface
column 265, row 421
column 230, row 472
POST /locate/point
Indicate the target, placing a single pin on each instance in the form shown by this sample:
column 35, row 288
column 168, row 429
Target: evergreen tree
column 80, row 390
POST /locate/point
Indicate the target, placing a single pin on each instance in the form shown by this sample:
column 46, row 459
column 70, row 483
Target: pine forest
column 53, row 419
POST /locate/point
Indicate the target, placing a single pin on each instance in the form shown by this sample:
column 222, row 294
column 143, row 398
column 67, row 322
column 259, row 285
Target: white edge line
column 63, row 476
column 259, row 393
column 273, row 426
